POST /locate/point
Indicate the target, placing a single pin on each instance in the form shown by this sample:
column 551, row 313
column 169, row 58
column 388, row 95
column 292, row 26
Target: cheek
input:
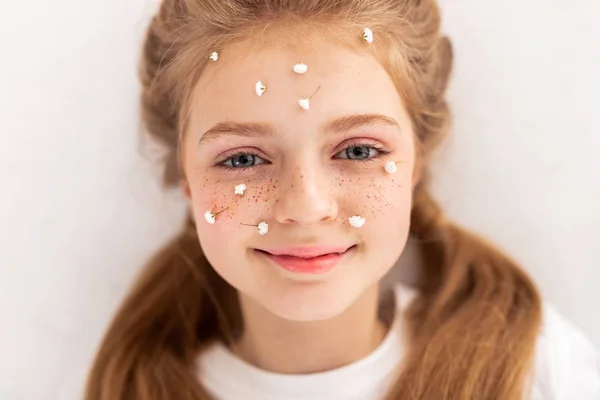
column 225, row 241
column 386, row 203
column 219, row 194
column 379, row 197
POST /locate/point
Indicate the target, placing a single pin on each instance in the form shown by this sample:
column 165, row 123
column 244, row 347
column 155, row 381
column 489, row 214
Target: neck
column 278, row 345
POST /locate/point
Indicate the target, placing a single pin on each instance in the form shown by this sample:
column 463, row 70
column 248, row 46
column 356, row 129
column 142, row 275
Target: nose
column 304, row 198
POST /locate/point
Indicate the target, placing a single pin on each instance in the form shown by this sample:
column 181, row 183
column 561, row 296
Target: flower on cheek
column 356, row 221
column 210, row 217
column 214, row 56
column 240, row 189
column 391, row 167
column 263, row 228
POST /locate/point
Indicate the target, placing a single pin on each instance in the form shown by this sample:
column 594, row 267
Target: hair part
column 474, row 326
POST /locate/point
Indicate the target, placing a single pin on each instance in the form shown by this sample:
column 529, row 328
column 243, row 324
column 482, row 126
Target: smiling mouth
column 315, row 260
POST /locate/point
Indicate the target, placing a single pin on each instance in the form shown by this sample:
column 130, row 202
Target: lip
column 307, row 260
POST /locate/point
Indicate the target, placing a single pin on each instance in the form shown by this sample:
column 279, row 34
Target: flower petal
column 240, row 189
column 304, row 103
column 367, row 35
column 391, row 167
column 356, row 221
column 263, row 228
column 259, row 88
column 209, row 216
column 300, row 68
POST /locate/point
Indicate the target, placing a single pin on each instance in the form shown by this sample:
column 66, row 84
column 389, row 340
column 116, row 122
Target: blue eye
column 358, row 153
column 243, row 160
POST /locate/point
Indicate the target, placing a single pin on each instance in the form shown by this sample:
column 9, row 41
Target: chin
column 315, row 301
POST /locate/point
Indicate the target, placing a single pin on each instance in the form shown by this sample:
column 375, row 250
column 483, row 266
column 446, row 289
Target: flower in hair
column 305, row 103
column 210, row 216
column 300, row 68
column 356, row 221
column 391, row 167
column 214, row 56
column 240, row 189
column 367, row 35
column 259, row 88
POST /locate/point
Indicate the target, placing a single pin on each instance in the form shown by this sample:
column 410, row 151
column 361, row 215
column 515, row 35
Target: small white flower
column 367, row 35
column 356, row 221
column 263, row 228
column 260, row 88
column 300, row 68
column 214, row 56
column 391, row 167
column 240, row 189
column 304, row 103
column 210, row 217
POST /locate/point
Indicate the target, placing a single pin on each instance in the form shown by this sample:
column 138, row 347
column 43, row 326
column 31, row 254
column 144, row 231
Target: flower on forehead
column 300, row 68
column 210, row 217
column 259, row 88
column 356, row 221
column 214, row 56
column 367, row 35
column 391, row 167
column 305, row 103
column 240, row 189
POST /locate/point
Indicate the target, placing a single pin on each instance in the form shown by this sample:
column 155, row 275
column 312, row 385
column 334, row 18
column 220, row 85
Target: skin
column 305, row 188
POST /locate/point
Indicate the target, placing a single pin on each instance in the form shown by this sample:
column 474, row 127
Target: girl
column 300, row 133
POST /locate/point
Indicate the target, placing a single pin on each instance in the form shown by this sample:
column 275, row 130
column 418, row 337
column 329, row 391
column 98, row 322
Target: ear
column 418, row 165
column 185, row 188
column 187, row 193
column 416, row 178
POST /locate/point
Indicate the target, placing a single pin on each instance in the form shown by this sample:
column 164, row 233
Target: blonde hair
column 473, row 327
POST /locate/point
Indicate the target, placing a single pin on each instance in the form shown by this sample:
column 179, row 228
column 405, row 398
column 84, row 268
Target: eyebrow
column 353, row 122
column 244, row 129
column 258, row 129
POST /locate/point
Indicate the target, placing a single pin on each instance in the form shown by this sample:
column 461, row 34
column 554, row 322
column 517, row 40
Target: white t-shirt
column 567, row 367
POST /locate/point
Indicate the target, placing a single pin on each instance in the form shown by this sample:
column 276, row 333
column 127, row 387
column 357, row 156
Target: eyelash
column 220, row 165
column 378, row 148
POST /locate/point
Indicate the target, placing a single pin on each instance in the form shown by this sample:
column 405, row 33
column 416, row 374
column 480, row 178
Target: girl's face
column 306, row 173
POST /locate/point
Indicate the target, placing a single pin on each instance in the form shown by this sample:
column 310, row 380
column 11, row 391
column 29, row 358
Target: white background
column 81, row 210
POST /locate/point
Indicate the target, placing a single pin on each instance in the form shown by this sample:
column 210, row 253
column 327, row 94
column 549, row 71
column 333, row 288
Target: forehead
column 350, row 81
